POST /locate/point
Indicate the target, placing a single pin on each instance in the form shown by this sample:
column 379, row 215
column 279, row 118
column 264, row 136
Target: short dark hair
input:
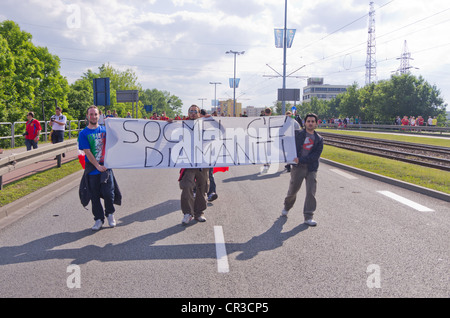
column 93, row 106
column 31, row 114
column 312, row 115
column 58, row 108
column 198, row 108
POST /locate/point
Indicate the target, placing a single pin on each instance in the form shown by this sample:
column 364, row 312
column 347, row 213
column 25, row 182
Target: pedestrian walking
column 309, row 146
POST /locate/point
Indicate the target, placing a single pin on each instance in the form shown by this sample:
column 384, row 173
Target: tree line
column 401, row 95
column 30, row 80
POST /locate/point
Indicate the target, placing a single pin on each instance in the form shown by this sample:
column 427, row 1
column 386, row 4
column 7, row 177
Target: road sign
column 101, row 92
column 289, row 94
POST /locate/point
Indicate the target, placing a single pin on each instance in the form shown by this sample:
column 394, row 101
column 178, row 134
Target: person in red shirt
column 420, row 121
column 32, row 131
column 164, row 117
column 405, row 121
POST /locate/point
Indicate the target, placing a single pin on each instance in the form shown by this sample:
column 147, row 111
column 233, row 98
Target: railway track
column 419, row 154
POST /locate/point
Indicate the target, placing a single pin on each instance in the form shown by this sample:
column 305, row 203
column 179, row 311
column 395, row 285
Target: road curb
column 402, row 184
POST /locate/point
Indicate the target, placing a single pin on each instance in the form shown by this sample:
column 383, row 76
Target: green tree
column 32, row 74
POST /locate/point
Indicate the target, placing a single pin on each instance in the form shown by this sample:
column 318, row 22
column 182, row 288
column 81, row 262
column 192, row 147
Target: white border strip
column 405, row 201
column 221, row 252
column 344, row 174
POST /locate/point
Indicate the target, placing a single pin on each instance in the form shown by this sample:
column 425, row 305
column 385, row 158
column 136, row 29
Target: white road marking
column 342, row 173
column 221, row 252
column 405, row 201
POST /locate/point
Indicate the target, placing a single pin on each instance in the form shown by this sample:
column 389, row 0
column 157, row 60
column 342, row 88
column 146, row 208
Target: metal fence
column 393, row 128
column 17, row 129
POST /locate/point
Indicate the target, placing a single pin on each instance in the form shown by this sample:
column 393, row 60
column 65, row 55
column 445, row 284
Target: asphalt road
column 366, row 243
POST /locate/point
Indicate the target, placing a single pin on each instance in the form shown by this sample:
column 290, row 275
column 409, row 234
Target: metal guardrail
column 417, row 129
column 23, row 159
column 45, row 130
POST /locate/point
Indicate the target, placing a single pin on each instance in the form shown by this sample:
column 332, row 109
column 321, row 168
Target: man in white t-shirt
column 58, row 124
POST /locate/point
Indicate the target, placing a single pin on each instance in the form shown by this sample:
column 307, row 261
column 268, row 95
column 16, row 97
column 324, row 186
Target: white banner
column 202, row 143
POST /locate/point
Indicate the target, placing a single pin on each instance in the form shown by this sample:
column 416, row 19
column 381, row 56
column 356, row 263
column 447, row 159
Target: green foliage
column 29, row 76
column 383, row 102
column 30, row 80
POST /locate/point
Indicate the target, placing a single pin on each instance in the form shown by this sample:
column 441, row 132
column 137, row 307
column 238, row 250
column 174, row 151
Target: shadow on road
column 142, row 247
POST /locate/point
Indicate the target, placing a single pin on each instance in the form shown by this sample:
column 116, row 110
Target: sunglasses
column 193, row 111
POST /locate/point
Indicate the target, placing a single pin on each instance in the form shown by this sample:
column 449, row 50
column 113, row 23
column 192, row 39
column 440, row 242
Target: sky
column 180, row 46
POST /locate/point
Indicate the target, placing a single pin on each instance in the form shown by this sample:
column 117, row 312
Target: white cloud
column 180, row 45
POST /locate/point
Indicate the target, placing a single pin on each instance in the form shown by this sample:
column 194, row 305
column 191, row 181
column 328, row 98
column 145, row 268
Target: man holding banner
column 196, row 145
column 309, row 148
column 193, row 178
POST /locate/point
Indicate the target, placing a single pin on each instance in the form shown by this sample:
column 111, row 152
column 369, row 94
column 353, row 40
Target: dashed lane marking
column 405, row 201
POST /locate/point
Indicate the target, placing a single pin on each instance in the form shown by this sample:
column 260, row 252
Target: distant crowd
column 341, row 122
column 413, row 121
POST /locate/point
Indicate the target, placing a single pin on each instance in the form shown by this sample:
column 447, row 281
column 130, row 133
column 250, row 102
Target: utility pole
column 234, row 79
column 404, row 61
column 371, row 62
column 215, row 92
column 283, row 103
column 202, row 99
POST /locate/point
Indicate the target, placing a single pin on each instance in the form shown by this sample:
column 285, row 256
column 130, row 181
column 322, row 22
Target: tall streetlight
column 215, row 92
column 202, row 99
column 283, row 102
column 234, row 79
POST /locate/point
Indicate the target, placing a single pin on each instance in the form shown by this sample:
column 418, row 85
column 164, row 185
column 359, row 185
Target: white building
column 316, row 88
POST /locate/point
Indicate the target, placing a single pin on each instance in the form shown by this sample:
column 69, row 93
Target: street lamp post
column 215, row 92
column 283, row 102
column 234, row 79
column 202, row 99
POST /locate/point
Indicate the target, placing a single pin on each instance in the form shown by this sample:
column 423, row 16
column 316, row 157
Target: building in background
column 226, row 107
column 316, row 88
column 253, row 111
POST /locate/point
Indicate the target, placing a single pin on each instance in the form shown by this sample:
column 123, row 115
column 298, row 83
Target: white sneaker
column 98, row 225
column 111, row 220
column 186, row 219
column 284, row 212
column 264, row 169
column 201, row 219
column 311, row 222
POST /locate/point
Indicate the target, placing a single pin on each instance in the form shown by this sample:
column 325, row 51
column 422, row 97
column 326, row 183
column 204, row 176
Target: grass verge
column 18, row 189
column 426, row 177
column 440, row 142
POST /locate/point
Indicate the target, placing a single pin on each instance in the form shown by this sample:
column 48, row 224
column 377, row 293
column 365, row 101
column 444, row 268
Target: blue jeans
column 57, row 136
column 103, row 190
column 31, row 143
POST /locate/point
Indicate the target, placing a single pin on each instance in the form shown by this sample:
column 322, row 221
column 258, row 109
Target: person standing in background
column 32, row 131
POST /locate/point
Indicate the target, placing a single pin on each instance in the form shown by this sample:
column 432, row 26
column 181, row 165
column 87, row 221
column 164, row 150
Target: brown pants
column 198, row 179
column 297, row 175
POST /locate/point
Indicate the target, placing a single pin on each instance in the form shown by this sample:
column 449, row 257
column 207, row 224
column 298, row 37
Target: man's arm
column 37, row 135
column 94, row 161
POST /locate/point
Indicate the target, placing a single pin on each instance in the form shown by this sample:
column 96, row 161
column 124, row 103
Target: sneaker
column 98, row 225
column 264, row 169
column 186, row 219
column 111, row 220
column 311, row 222
column 284, row 212
column 213, row 196
column 200, row 219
